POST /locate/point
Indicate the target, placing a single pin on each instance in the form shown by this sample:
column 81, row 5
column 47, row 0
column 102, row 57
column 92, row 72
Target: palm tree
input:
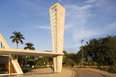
column 29, row 46
column 17, row 37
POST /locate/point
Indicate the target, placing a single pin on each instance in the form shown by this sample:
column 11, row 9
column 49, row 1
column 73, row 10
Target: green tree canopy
column 102, row 50
column 17, row 37
column 31, row 62
column 29, row 46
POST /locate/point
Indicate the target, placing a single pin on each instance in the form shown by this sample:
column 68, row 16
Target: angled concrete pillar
column 16, row 65
column 57, row 17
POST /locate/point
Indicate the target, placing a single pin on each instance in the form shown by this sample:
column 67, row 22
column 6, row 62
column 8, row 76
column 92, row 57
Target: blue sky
column 84, row 19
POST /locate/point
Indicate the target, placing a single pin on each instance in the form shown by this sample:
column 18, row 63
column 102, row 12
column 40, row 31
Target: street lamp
column 82, row 51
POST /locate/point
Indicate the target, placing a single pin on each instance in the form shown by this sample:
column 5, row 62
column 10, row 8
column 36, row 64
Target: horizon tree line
column 100, row 52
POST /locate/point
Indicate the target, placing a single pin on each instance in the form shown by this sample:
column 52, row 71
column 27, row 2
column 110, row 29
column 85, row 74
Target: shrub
column 31, row 62
column 70, row 62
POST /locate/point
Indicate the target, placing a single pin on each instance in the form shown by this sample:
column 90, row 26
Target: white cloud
column 75, row 7
column 77, row 45
column 79, row 27
column 49, row 27
column 86, row 22
column 78, row 16
column 35, row 8
column 86, row 7
column 67, row 26
column 90, row 34
column 90, row 1
column 84, row 34
column 44, row 27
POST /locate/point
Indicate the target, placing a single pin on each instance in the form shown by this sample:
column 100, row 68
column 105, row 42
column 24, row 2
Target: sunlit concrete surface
column 46, row 72
column 57, row 20
column 28, row 52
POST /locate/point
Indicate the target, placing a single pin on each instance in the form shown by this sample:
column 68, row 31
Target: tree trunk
column 25, row 60
column 17, row 45
column 17, row 55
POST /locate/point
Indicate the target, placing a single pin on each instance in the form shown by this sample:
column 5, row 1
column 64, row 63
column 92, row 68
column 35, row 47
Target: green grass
column 110, row 70
column 81, row 67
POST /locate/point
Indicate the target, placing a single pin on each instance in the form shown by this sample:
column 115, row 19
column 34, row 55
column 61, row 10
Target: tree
column 31, row 62
column 64, row 60
column 65, row 53
column 45, row 60
column 72, row 56
column 102, row 51
column 41, row 62
column 29, row 46
column 17, row 37
column 78, row 57
column 69, row 59
column 70, row 62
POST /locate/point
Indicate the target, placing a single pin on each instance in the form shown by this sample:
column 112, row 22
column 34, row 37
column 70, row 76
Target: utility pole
column 82, row 51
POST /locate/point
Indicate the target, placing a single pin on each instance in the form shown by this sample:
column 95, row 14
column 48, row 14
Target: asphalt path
column 90, row 73
column 66, row 72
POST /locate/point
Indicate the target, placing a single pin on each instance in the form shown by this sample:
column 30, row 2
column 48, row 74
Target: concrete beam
column 29, row 52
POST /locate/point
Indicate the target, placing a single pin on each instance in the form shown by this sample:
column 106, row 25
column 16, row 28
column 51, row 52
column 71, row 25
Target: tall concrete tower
column 57, row 18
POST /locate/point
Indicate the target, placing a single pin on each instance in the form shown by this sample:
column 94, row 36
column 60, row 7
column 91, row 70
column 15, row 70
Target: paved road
column 90, row 73
column 66, row 72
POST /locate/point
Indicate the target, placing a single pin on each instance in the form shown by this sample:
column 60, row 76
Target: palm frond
column 29, row 46
column 17, row 37
column 21, row 41
column 12, row 37
column 25, row 48
column 13, row 40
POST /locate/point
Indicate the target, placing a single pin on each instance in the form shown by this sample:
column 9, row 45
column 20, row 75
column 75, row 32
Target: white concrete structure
column 5, row 50
column 57, row 16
